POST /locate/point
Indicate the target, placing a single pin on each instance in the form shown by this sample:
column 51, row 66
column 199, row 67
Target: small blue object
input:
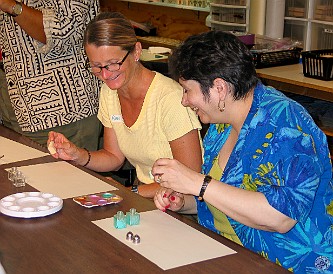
column 119, row 220
column 132, row 217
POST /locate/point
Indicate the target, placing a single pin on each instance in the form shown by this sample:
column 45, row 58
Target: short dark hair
column 214, row 54
column 110, row 29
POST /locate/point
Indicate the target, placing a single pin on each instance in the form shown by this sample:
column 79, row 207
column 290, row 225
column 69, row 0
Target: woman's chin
column 204, row 119
column 113, row 83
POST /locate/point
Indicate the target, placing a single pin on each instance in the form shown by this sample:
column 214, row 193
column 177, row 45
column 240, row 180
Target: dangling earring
column 221, row 109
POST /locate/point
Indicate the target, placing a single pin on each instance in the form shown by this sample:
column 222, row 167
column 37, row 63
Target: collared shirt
column 281, row 153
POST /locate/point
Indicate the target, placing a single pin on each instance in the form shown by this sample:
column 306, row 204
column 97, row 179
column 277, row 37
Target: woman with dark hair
column 266, row 181
column 140, row 109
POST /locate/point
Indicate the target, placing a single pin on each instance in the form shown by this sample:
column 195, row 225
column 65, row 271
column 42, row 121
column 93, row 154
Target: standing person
column 266, row 181
column 3, row 83
column 140, row 109
column 48, row 86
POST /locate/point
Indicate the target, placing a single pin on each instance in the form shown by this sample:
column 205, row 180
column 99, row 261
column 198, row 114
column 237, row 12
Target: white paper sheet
column 15, row 151
column 166, row 241
column 63, row 180
column 149, row 56
column 160, row 50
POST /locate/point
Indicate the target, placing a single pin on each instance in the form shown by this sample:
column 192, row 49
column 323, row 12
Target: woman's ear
column 221, row 87
column 137, row 51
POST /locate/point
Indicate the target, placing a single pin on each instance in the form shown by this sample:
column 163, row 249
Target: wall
column 170, row 22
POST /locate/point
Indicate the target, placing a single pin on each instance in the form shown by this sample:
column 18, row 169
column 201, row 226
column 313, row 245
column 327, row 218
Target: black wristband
column 205, row 183
column 89, row 156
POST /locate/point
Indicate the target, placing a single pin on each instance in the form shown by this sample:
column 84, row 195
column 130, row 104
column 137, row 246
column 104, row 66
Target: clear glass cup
column 19, row 181
column 12, row 174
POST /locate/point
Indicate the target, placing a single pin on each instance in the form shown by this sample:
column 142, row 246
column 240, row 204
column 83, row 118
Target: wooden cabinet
column 172, row 21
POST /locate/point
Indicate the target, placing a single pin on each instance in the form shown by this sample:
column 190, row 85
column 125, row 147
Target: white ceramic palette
column 30, row 204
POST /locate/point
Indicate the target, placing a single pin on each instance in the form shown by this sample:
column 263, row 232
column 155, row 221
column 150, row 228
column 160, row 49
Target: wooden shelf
column 228, row 6
column 227, row 23
column 170, row 5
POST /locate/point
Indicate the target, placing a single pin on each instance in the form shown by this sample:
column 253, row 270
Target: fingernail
column 172, row 198
column 164, row 195
column 167, row 206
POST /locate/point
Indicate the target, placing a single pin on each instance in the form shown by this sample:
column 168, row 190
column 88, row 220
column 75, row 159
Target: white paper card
column 159, row 50
column 63, row 180
column 149, row 56
column 14, row 151
column 166, row 241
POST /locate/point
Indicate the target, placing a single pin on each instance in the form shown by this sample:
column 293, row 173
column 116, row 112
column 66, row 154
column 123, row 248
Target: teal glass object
column 119, row 220
column 132, row 217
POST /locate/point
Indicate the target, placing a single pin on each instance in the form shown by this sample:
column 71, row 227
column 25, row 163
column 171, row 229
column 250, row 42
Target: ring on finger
column 159, row 179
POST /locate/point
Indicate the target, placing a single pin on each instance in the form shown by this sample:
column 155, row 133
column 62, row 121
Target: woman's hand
column 168, row 199
column 64, row 149
column 6, row 5
column 170, row 173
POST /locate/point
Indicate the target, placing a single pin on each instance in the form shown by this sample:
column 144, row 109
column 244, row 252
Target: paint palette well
column 30, row 204
column 98, row 199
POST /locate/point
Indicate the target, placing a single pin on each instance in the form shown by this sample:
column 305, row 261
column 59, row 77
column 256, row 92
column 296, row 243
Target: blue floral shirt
column 281, row 153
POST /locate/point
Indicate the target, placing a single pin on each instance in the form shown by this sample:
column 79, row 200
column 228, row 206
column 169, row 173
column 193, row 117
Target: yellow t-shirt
column 162, row 119
column 221, row 221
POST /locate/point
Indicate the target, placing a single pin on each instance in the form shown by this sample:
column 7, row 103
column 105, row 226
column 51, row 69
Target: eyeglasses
column 110, row 67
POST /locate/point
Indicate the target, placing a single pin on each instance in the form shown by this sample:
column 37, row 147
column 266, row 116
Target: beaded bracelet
column 89, row 156
column 205, row 183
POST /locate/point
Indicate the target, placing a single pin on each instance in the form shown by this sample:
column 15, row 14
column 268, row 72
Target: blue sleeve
column 287, row 157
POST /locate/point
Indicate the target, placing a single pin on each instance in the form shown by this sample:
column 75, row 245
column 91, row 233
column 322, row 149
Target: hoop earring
column 221, row 109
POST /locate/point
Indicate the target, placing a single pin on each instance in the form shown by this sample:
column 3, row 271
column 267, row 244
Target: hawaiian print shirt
column 281, row 153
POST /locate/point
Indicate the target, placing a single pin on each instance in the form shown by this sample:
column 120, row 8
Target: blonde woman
column 140, row 109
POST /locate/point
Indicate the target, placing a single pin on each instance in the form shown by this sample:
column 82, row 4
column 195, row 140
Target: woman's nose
column 184, row 100
column 105, row 74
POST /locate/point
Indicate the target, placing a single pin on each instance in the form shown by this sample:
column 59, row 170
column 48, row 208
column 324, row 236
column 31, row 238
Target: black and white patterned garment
column 48, row 83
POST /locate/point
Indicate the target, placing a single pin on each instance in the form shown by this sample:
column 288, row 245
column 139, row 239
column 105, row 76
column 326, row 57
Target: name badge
column 116, row 118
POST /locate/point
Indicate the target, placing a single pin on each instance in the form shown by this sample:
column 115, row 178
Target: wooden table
column 68, row 242
column 291, row 79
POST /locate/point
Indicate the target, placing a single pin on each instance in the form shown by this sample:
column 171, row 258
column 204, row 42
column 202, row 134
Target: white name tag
column 116, row 118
